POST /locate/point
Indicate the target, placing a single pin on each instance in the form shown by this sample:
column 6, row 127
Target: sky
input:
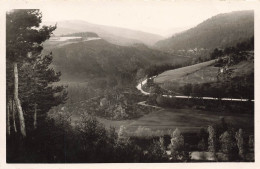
column 159, row 17
column 163, row 17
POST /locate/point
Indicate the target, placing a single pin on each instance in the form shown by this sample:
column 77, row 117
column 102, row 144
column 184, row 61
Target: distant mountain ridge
column 116, row 35
column 81, row 34
column 218, row 31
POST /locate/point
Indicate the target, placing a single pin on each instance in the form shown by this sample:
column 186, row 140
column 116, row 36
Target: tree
column 212, row 139
column 140, row 74
column 23, row 40
column 228, row 145
column 38, row 95
column 203, row 143
column 216, row 53
column 162, row 101
column 177, row 146
column 240, row 143
column 187, row 89
column 157, row 152
column 122, row 134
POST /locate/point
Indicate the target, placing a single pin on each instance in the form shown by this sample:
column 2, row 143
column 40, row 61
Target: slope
column 219, row 31
column 216, row 78
column 116, row 35
column 99, row 58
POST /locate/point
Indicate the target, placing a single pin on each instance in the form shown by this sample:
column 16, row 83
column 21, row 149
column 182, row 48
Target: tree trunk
column 17, row 101
column 35, row 116
column 13, row 110
column 8, row 119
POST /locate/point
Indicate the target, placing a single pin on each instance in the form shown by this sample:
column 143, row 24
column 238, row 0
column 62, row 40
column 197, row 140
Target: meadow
column 160, row 122
column 173, row 75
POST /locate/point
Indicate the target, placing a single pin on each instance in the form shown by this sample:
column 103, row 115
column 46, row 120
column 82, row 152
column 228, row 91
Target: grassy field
column 187, row 120
column 176, row 74
column 200, row 73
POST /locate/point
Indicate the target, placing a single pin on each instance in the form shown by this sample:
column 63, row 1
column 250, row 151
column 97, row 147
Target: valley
column 79, row 92
column 170, row 80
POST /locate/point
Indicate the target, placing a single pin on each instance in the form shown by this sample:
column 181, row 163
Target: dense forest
column 219, row 31
column 100, row 59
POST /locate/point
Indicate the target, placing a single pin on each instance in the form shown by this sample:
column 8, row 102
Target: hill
column 217, row 32
column 116, row 35
column 201, row 73
column 99, row 58
column 58, row 41
column 223, row 77
column 179, row 75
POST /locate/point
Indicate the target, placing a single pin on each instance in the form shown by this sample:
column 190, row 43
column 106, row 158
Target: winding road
column 139, row 87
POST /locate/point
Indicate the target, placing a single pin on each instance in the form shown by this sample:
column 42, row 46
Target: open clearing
column 187, row 120
column 200, row 73
column 176, row 74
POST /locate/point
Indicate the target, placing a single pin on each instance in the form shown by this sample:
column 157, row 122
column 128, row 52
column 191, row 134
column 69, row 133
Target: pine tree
column 38, row 92
column 24, row 39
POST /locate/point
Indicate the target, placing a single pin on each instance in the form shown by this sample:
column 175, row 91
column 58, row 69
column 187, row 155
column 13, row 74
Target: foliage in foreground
column 89, row 141
column 30, row 93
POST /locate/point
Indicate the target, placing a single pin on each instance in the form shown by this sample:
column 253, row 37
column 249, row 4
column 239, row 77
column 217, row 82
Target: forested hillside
column 219, row 31
column 99, row 58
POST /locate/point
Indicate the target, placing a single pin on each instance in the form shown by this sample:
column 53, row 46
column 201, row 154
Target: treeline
column 154, row 70
column 210, row 105
column 236, row 87
column 246, row 45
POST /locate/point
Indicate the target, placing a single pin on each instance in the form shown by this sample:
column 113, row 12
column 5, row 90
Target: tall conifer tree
column 24, row 38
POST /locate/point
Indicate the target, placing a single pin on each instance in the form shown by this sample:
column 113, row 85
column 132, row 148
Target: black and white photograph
column 95, row 82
